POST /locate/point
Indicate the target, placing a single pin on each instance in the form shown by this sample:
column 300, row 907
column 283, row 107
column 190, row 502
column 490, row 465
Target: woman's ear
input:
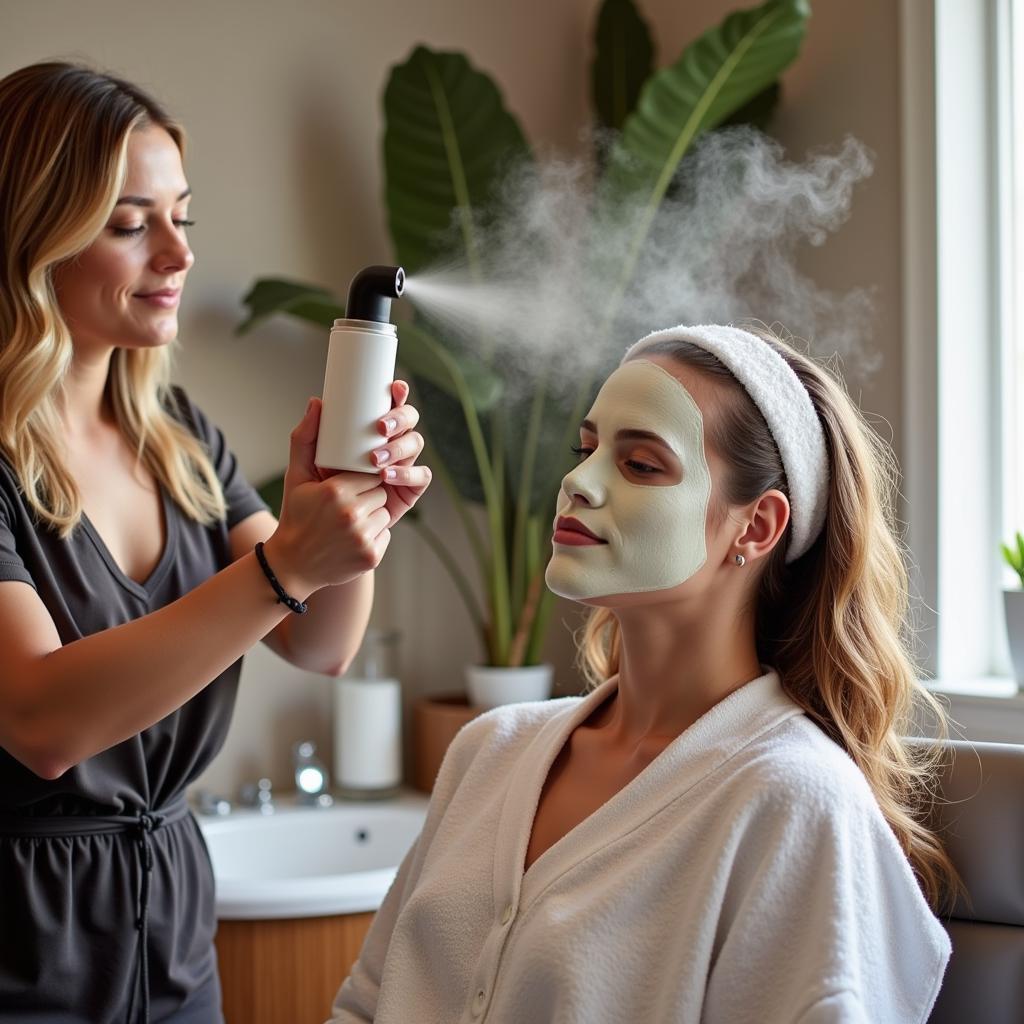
column 767, row 519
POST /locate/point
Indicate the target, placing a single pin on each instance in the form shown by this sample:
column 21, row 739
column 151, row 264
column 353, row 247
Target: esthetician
column 727, row 828
column 133, row 569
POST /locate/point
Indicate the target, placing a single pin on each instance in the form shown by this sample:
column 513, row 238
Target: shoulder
column 797, row 774
column 500, row 734
column 10, row 491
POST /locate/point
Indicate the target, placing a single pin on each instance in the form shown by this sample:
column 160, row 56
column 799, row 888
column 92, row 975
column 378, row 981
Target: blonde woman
column 133, row 575
column 726, row 829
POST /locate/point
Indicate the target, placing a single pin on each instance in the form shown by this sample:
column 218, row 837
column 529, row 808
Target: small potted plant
column 1013, row 601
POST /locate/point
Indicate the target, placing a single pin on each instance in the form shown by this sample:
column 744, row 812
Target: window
column 963, row 407
column 1012, row 251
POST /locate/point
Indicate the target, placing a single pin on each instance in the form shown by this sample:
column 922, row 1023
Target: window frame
column 954, row 76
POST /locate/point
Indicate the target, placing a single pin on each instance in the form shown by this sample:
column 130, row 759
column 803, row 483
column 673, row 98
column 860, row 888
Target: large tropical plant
column 449, row 143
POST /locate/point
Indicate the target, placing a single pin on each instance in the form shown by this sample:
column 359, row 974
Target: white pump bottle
column 361, row 360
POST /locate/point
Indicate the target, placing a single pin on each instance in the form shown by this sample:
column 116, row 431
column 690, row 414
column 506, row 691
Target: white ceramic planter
column 1013, row 602
column 490, row 687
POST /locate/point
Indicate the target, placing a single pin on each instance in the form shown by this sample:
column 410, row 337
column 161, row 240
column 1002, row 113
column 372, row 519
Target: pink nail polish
column 390, row 474
column 381, row 456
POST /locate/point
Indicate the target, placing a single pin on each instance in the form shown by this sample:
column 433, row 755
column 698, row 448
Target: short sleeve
column 241, row 497
column 11, row 565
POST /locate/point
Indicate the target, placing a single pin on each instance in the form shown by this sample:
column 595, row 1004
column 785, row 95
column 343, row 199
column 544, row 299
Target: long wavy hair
column 833, row 622
column 64, row 133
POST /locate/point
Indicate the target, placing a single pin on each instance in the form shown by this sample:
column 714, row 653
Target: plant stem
column 457, row 576
column 545, row 606
column 461, row 505
column 520, row 571
column 498, row 567
column 519, row 641
column 501, row 635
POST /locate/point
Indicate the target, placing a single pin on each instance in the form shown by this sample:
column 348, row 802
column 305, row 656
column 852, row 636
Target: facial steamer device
column 360, row 368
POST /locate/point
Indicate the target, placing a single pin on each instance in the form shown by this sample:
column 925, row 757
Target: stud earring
column 739, row 560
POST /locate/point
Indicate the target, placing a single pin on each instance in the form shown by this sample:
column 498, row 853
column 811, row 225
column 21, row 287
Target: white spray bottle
column 360, row 368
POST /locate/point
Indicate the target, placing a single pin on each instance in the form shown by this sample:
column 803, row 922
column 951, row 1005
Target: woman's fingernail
column 381, row 455
column 391, row 425
column 390, row 474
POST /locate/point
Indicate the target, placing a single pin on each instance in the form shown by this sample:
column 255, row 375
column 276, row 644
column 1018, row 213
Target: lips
column 165, row 297
column 573, row 532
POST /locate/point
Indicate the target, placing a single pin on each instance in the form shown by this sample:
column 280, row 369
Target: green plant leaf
column 1014, row 556
column 272, row 492
column 623, row 61
column 759, row 110
column 716, row 75
column 419, row 354
column 271, row 295
column 448, row 144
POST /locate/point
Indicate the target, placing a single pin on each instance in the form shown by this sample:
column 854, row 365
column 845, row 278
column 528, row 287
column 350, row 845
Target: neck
column 675, row 665
column 84, row 406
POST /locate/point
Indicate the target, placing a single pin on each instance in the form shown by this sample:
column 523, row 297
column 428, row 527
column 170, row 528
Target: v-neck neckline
column 732, row 723
column 146, row 588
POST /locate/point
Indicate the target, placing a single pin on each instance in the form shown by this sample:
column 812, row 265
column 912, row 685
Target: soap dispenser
column 368, row 721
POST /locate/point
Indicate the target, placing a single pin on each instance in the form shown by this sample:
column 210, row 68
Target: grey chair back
column 980, row 821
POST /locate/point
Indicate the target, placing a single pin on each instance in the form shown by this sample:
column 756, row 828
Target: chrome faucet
column 257, row 795
column 212, row 804
column 311, row 782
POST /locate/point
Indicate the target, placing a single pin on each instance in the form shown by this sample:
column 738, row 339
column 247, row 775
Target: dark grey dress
column 106, row 890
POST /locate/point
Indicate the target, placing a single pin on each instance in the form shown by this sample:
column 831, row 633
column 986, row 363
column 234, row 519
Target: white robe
column 745, row 875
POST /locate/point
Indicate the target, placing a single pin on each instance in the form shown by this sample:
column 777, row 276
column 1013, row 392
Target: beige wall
column 282, row 105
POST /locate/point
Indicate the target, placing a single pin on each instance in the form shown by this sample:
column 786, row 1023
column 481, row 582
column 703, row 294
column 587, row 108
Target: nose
column 584, row 483
column 173, row 253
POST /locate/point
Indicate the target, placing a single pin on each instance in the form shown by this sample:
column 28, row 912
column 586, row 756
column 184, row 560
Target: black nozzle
column 371, row 292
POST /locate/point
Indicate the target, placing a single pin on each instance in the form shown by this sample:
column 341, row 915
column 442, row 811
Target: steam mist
column 722, row 248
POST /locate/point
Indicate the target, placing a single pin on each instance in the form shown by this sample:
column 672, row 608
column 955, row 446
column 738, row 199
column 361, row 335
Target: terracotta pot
column 435, row 721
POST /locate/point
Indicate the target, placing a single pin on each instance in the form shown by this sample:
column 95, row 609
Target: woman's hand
column 334, row 526
column 403, row 481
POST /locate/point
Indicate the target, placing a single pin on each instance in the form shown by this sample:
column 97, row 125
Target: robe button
column 507, row 916
column 478, row 1002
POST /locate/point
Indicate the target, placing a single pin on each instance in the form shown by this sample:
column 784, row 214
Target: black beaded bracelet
column 283, row 597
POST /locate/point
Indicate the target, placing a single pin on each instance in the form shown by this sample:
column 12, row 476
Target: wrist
column 277, row 556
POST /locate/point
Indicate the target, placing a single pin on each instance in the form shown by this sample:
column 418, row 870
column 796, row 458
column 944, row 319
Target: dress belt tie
column 143, row 824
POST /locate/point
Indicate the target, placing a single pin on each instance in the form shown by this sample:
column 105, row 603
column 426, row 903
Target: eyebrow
column 628, row 435
column 142, row 201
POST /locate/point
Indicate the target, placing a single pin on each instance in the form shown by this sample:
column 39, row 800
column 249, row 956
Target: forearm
column 326, row 638
column 95, row 692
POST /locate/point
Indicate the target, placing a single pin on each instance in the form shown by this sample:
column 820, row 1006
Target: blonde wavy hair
column 833, row 622
column 64, row 133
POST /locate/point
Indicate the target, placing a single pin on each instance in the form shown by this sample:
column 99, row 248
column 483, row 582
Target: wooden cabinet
column 286, row 971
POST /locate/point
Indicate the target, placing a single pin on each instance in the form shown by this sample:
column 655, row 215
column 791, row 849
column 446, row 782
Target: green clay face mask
column 653, row 535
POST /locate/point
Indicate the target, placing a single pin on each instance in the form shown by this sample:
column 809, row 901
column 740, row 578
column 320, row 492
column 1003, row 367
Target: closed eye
column 132, row 232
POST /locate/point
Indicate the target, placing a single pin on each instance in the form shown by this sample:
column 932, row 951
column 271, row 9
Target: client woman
column 727, row 828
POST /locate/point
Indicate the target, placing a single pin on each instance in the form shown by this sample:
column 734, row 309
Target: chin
column 150, row 339
column 563, row 581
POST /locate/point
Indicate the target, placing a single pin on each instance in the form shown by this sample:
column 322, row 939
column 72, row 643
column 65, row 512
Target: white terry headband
column 787, row 408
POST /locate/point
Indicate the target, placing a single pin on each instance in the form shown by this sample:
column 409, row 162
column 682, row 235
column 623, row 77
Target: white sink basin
column 310, row 862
